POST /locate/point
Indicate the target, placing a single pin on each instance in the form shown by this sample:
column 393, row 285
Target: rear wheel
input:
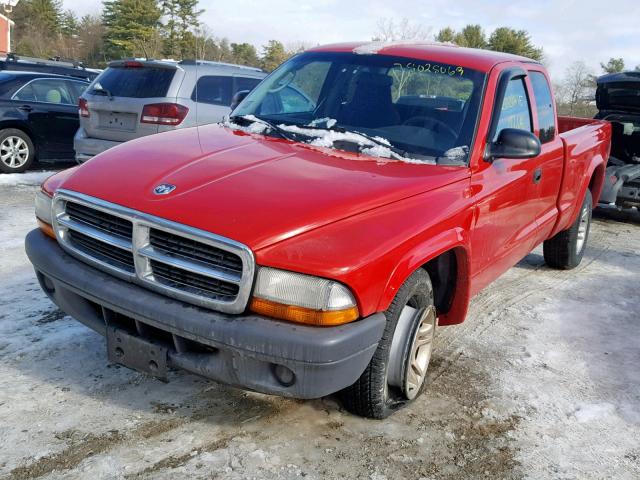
column 566, row 249
column 16, row 151
column 396, row 374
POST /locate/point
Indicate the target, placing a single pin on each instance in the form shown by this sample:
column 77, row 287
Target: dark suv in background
column 38, row 117
column 17, row 63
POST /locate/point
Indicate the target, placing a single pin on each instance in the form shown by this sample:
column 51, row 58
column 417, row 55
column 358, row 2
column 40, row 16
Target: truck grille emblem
column 164, row 189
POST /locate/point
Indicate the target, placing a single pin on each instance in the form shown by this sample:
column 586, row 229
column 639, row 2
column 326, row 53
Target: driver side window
column 515, row 112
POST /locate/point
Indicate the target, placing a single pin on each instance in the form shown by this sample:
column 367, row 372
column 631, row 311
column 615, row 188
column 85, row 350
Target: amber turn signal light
column 303, row 315
column 46, row 228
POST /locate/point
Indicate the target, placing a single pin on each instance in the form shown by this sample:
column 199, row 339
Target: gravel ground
column 541, row 381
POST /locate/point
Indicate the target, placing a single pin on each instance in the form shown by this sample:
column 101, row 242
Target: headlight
column 43, row 213
column 302, row 298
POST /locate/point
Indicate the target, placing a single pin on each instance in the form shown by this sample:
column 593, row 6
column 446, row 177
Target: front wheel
column 396, row 374
column 16, row 151
column 566, row 249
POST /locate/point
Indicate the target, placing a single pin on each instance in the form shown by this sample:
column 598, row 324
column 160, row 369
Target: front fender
column 456, row 240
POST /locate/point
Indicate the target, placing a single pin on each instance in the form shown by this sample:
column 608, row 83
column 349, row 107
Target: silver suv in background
column 134, row 98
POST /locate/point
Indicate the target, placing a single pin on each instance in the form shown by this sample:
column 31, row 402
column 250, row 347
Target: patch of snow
column 256, row 127
column 327, row 121
column 456, row 152
column 588, row 412
column 27, row 178
column 372, row 48
column 326, row 139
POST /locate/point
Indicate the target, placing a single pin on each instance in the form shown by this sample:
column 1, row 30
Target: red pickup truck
column 359, row 196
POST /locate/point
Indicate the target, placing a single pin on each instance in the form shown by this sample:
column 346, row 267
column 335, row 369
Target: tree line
column 172, row 29
column 131, row 28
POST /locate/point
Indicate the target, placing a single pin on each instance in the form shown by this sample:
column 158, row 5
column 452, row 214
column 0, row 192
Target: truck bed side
column 586, row 149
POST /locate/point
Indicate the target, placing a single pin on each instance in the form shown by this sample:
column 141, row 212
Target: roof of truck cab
column 477, row 59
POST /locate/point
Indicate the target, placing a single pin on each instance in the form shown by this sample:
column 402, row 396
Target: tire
column 17, row 152
column 389, row 381
column 565, row 250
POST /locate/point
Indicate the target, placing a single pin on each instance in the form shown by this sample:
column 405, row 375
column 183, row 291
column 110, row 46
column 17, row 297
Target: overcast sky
column 568, row 30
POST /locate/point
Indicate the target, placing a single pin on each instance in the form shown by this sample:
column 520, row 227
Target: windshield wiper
column 398, row 153
column 97, row 88
column 271, row 126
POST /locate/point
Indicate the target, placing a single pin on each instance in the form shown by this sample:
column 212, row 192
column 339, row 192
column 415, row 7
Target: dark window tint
column 515, row 112
column 134, row 82
column 47, row 91
column 213, row 89
column 544, row 104
column 243, row 83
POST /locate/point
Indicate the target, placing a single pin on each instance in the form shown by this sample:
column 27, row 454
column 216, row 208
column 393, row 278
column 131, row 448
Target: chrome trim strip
column 143, row 251
column 95, row 233
column 193, row 266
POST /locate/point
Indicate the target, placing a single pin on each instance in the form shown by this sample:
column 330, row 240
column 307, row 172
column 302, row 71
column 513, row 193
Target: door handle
column 537, row 175
column 25, row 108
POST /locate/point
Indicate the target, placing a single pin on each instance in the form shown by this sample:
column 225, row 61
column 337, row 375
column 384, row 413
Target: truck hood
column 253, row 189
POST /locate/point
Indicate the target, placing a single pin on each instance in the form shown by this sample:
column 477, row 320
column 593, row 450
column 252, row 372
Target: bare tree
column 575, row 93
column 390, row 30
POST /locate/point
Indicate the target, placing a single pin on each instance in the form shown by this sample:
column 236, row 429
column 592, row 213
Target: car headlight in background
column 43, row 213
column 302, row 298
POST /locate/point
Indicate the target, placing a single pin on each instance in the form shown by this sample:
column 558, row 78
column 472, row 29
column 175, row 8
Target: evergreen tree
column 614, row 65
column 245, row 54
column 68, row 23
column 471, row 36
column 273, row 55
column 446, row 35
column 181, row 21
column 132, row 28
column 518, row 42
column 37, row 25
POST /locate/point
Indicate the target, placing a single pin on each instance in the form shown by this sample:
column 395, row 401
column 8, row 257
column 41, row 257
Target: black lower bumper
column 248, row 351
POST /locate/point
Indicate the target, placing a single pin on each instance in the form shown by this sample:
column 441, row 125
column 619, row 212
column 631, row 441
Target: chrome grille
column 179, row 261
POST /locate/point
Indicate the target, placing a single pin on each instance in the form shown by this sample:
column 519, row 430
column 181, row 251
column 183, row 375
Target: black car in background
column 38, row 118
column 13, row 62
column 618, row 101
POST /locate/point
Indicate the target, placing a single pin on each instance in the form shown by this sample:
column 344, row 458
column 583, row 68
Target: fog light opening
column 284, row 375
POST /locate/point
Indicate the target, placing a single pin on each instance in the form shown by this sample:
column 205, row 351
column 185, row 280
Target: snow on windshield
column 377, row 147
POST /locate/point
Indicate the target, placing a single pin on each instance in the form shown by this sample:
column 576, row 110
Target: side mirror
column 513, row 143
column 238, row 97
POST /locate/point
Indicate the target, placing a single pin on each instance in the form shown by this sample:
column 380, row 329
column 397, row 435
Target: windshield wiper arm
column 244, row 118
column 100, row 89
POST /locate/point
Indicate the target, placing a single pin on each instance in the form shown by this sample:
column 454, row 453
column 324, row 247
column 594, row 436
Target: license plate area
column 136, row 353
column 118, row 121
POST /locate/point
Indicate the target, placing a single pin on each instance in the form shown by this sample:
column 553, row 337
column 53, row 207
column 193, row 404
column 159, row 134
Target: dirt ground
column 541, row 381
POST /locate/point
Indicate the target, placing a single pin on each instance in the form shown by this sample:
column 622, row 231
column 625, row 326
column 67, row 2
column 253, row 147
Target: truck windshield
column 426, row 110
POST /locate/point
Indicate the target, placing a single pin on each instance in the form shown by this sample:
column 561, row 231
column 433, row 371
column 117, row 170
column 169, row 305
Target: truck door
column 549, row 165
column 505, row 229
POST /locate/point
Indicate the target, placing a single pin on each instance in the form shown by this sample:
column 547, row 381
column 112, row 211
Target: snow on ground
column 27, row 178
column 541, row 381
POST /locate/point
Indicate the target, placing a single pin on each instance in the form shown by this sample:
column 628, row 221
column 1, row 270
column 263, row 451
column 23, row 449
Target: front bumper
column 240, row 350
column 87, row 147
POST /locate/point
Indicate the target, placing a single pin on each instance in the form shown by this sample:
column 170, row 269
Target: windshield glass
column 426, row 110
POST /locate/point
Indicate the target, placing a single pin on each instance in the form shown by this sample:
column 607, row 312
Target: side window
column 515, row 112
column 26, row 94
column 213, row 89
column 244, row 83
column 76, row 89
column 544, row 104
column 47, row 91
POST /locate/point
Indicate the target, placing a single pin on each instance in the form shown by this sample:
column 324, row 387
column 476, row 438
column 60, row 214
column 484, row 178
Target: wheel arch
column 446, row 259
column 22, row 126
